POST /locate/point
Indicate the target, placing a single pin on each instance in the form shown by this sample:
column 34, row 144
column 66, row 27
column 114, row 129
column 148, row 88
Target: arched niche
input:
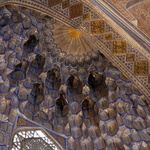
column 27, row 138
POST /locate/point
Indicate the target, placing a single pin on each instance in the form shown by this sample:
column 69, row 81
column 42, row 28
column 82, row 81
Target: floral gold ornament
column 119, row 46
column 86, row 17
column 130, row 57
column 97, row 27
column 141, row 68
column 76, row 10
column 65, row 4
column 108, row 36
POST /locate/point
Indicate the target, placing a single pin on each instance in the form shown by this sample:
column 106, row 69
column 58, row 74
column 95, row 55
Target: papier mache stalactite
column 74, row 83
column 19, row 73
column 36, row 96
column 30, row 44
column 36, row 66
column 54, row 79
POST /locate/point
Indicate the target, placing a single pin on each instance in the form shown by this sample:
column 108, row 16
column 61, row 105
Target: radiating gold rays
column 74, row 33
column 70, row 40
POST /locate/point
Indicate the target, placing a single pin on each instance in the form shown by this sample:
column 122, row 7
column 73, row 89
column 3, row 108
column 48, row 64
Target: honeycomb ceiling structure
column 77, row 71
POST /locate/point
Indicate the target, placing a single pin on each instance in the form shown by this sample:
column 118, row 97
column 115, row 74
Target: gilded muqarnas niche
column 102, row 103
